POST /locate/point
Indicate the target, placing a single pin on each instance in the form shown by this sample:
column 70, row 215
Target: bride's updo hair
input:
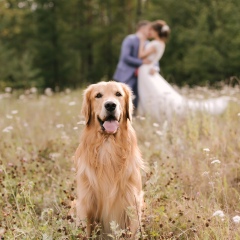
column 161, row 28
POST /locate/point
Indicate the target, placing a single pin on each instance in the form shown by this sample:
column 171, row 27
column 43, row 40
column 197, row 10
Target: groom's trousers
column 133, row 84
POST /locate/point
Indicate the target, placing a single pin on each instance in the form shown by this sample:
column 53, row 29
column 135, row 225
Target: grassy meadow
column 192, row 188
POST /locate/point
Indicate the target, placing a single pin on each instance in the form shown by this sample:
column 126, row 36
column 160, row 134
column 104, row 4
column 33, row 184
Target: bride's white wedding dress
column 157, row 97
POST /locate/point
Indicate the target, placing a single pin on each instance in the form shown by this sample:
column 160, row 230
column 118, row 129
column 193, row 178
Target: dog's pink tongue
column 111, row 126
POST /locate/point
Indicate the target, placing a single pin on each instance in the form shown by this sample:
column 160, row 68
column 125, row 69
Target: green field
column 194, row 169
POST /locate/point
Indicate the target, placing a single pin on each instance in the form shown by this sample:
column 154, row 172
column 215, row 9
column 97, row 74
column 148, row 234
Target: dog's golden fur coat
column 108, row 165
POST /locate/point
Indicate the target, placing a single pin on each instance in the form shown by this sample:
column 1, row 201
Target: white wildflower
column 155, row 124
column 73, row 169
column 34, row 6
column 206, row 150
column 48, row 92
column 147, row 144
column 215, row 161
column 238, row 114
column 9, row 116
column 54, row 155
column 59, row 125
column 21, row 97
column 205, row 173
column 25, row 124
column 7, row 129
column 72, row 103
column 2, row 231
column 8, row 89
column 33, row 90
column 218, row 213
column 75, row 128
column 81, row 123
column 211, row 183
column 27, row 92
column 159, row 133
column 236, row 219
column 14, row 111
column 68, row 90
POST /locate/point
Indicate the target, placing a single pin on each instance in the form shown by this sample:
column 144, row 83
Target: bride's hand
column 146, row 61
column 142, row 38
column 152, row 71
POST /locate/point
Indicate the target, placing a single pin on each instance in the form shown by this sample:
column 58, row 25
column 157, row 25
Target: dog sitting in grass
column 108, row 161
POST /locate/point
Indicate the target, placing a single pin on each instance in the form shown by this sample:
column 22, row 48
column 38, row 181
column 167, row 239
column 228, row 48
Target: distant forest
column 70, row 43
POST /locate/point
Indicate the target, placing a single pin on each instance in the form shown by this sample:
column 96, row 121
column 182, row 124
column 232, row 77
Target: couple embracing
column 138, row 67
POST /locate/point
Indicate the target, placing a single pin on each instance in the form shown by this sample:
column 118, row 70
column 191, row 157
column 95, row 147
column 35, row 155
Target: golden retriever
column 108, row 161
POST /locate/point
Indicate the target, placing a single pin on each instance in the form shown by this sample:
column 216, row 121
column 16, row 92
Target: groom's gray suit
column 128, row 63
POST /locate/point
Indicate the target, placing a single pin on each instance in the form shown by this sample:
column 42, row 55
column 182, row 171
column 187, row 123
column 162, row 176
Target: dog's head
column 107, row 104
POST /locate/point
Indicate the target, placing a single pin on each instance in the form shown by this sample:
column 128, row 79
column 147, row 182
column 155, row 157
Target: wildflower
column 75, row 128
column 211, row 183
column 206, row 150
column 9, row 116
column 155, row 124
column 73, row 169
column 81, row 123
column 54, row 155
column 72, row 103
column 14, row 111
column 33, row 90
column 8, row 89
column 215, row 161
column 238, row 114
column 59, row 125
column 2, row 231
column 65, row 137
column 27, row 92
column 48, row 92
column 21, row 97
column 205, row 173
column 218, row 213
column 159, row 133
column 147, row 144
column 7, row 129
column 236, row 219
column 67, row 91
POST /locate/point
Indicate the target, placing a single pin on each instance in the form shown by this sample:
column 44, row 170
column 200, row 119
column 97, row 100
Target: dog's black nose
column 110, row 106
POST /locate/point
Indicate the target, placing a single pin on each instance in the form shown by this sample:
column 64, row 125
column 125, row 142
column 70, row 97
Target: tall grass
column 194, row 169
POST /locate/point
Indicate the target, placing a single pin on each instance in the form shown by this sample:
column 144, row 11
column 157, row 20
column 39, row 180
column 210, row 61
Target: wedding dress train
column 157, row 97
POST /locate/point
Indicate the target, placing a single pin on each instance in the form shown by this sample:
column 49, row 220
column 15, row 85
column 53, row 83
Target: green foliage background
column 69, row 43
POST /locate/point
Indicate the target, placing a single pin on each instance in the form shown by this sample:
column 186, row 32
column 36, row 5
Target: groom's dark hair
column 142, row 23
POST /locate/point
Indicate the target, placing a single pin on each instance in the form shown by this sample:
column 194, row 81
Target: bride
column 156, row 96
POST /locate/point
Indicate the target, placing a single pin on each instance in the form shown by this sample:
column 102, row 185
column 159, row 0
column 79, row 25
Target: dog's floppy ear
column 86, row 105
column 128, row 101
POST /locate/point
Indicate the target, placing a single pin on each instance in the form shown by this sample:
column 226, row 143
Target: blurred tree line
column 68, row 43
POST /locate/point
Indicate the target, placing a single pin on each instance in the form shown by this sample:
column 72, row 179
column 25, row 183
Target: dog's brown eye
column 99, row 95
column 118, row 94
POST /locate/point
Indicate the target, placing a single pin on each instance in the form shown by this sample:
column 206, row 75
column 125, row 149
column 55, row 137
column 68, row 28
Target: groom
column 129, row 62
